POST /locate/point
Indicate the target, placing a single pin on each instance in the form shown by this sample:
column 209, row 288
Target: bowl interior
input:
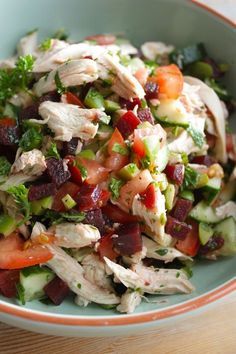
column 172, row 21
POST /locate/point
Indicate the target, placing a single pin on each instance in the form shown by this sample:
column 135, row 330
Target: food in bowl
column 117, row 170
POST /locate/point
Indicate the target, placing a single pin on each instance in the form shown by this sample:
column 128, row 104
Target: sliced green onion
column 68, row 201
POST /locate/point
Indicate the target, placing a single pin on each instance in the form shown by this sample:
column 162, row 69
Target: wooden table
column 213, row 331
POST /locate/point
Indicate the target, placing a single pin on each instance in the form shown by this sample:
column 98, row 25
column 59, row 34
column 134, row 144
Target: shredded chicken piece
column 72, row 273
column 129, row 301
column 28, row 44
column 72, row 73
column 226, row 210
column 95, row 272
column 30, row 163
column 136, row 257
column 38, row 229
column 152, row 50
column 16, row 180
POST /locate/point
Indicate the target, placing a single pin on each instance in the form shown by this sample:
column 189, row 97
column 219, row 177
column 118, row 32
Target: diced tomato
column 14, row 256
column 115, row 160
column 129, row 105
column 8, row 281
column 67, row 188
column 96, row 173
column 141, row 75
column 148, row 197
column 136, row 186
column 170, row 81
column 229, row 143
column 73, row 99
column 127, row 123
column 138, row 147
column 91, row 197
column 102, row 39
column 190, row 245
column 76, row 176
column 115, row 214
column 7, row 122
column 105, row 248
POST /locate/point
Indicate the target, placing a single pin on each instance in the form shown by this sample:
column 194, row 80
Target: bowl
column 172, row 21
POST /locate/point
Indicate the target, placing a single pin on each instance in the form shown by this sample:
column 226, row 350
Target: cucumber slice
column 170, row 113
column 205, row 213
column 169, row 196
column 162, row 158
column 205, row 232
column 227, row 230
column 38, row 206
column 94, row 99
column 33, row 280
column 111, row 106
column 211, row 189
column 129, row 171
column 186, row 194
column 7, row 224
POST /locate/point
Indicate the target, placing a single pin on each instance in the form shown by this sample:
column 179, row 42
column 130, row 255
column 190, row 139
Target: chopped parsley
column 122, row 150
column 20, row 293
column 79, row 286
column 114, row 186
column 20, row 195
column 5, row 166
column 177, row 275
column 45, row 45
column 190, row 178
column 60, row 87
column 53, row 218
column 196, row 135
column 188, row 271
column 31, row 139
column 53, row 152
column 162, row 251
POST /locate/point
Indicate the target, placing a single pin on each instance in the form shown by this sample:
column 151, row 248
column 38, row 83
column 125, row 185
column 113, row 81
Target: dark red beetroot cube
column 67, row 188
column 129, row 105
column 56, row 171
column 9, row 136
column 115, row 214
column 8, row 281
column 204, row 160
column 181, row 209
column 91, row 197
column 151, row 89
column 42, row 190
column 95, row 218
column 145, row 115
column 177, row 229
column 129, row 240
column 57, row 290
column 215, row 243
column 127, row 123
column 175, row 173
column 69, row 147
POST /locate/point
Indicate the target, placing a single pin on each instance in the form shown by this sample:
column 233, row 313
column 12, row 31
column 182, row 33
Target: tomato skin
column 91, row 197
column 138, row 147
column 170, row 81
column 73, row 99
column 115, row 214
column 105, row 248
column 127, row 123
column 148, row 197
column 67, row 188
column 14, row 256
column 74, row 170
column 190, row 245
column 229, row 143
column 116, row 161
column 96, row 173
column 7, row 122
column 102, row 39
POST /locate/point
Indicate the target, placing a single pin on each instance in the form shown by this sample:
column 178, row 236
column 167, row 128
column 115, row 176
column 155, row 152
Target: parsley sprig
column 20, row 195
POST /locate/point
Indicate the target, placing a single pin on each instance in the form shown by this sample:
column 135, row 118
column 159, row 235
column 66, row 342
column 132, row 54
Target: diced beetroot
column 53, row 96
column 148, row 197
column 215, row 243
column 151, row 90
column 204, row 160
column 175, row 173
column 91, row 197
column 115, row 214
column 105, row 247
column 56, row 171
column 129, row 105
column 69, row 147
column 127, row 123
column 9, row 153
column 177, row 229
column 129, row 240
column 9, row 136
column 67, row 188
column 40, row 191
column 57, row 290
column 145, row 115
column 8, row 281
column 181, row 209
column 95, row 218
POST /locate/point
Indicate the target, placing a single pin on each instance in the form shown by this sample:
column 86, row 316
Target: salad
column 117, row 169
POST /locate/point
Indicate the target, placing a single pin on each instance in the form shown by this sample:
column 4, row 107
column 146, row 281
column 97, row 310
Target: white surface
column 226, row 7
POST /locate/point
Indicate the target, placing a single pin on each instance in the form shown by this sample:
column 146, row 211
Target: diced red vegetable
column 8, row 281
column 9, row 135
column 67, row 188
column 214, row 243
column 91, row 197
column 190, row 245
column 145, row 115
column 115, row 160
column 96, row 173
column 57, row 290
column 73, row 99
column 127, row 123
column 148, row 197
column 7, row 122
column 76, row 175
column 95, row 218
column 176, row 228
column 129, row 105
column 204, row 160
column 105, row 248
column 151, row 90
column 181, row 209
column 69, row 147
column 175, row 173
column 115, row 214
column 138, row 147
column 56, row 171
column 229, row 143
column 129, row 240
column 102, row 39
column 40, row 191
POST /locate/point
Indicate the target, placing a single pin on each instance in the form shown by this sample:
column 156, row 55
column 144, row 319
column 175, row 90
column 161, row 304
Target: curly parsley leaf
column 45, row 45
column 53, row 152
column 53, row 218
column 5, row 166
column 190, row 178
column 31, row 139
column 114, row 186
column 60, row 87
column 20, row 196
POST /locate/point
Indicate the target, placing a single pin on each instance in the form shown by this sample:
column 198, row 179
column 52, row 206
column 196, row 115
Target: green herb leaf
column 219, row 89
column 31, row 139
column 190, row 178
column 83, row 171
column 114, row 187
column 162, row 251
column 45, row 45
column 60, row 87
column 20, row 195
column 79, row 286
column 61, row 34
column 196, row 135
column 54, row 218
column 122, row 150
column 108, row 307
column 5, row 166
column 20, row 293
column 188, row 271
column 53, row 152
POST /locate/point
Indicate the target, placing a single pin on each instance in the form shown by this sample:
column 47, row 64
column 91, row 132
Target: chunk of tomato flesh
column 190, row 245
column 138, row 147
column 148, row 197
column 116, row 161
column 105, row 248
column 73, row 99
column 96, row 173
column 7, row 122
column 67, row 188
column 115, row 214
